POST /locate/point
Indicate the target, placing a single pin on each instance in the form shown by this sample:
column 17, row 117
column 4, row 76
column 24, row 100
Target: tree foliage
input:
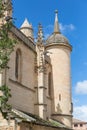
column 1, row 8
column 5, row 108
column 6, row 47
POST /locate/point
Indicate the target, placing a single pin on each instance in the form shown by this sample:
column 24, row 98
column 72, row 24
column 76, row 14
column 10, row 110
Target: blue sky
column 73, row 24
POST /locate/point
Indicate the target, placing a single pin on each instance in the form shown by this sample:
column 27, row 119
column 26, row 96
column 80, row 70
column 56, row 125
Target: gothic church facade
column 39, row 76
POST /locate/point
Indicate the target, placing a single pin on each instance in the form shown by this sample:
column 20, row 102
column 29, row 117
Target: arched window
column 49, row 83
column 18, row 65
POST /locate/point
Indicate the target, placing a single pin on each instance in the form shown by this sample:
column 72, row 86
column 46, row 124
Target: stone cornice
column 56, row 114
column 41, row 104
column 23, row 38
column 68, row 46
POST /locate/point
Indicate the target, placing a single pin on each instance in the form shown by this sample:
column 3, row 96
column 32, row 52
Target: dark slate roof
column 57, row 38
column 28, row 117
column 78, row 121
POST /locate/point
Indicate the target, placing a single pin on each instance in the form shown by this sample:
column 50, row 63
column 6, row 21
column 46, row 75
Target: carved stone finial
column 40, row 38
column 56, row 11
column 56, row 24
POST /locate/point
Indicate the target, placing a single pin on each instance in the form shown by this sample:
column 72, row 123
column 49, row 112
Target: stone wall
column 23, row 92
column 37, row 127
column 6, row 124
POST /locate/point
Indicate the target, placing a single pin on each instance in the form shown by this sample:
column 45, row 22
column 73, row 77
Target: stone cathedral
column 39, row 77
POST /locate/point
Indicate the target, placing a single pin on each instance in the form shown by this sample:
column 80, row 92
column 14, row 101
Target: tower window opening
column 81, row 125
column 75, row 125
column 49, row 84
column 59, row 97
column 71, row 107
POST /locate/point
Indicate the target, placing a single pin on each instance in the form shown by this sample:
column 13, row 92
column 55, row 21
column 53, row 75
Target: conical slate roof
column 27, row 29
column 56, row 37
column 26, row 24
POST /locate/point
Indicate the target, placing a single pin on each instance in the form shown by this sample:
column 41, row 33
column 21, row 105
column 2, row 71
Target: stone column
column 41, row 90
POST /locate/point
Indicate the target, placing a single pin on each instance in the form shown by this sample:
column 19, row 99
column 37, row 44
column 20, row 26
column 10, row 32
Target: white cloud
column 81, row 87
column 69, row 27
column 63, row 28
column 48, row 30
column 80, row 112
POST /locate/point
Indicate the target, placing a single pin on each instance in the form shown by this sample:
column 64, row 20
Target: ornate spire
column 40, row 34
column 56, row 24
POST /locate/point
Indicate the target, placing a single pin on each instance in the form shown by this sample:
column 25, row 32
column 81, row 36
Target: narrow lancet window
column 49, row 84
column 18, row 65
column 59, row 97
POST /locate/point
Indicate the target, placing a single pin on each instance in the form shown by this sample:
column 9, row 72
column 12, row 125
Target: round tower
column 59, row 52
column 27, row 29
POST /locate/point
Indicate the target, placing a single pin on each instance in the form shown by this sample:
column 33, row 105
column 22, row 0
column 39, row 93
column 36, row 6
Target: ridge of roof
column 22, row 37
column 78, row 121
column 28, row 117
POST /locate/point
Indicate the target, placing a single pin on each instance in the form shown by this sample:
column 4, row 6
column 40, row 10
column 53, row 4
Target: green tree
column 6, row 47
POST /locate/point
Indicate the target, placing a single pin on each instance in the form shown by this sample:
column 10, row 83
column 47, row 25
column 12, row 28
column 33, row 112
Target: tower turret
column 60, row 50
column 27, row 29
